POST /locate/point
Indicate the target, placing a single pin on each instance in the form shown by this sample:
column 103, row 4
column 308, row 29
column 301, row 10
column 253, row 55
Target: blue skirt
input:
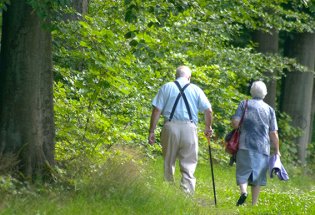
column 251, row 168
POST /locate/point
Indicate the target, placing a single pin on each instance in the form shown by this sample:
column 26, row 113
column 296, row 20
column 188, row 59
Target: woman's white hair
column 258, row 90
column 183, row 71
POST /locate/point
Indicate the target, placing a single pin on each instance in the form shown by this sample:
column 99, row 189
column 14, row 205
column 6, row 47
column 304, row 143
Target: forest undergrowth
column 130, row 183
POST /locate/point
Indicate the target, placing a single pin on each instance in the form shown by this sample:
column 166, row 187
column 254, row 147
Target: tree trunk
column 80, row 6
column 268, row 44
column 311, row 138
column 298, row 87
column 26, row 91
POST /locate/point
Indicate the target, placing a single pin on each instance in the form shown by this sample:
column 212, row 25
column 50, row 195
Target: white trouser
column 179, row 140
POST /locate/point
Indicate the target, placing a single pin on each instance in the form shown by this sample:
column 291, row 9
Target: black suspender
column 181, row 94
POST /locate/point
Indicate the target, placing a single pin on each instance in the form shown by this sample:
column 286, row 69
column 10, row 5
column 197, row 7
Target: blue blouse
column 259, row 120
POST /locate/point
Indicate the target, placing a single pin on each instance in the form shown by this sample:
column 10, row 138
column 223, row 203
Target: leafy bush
column 109, row 67
column 287, row 134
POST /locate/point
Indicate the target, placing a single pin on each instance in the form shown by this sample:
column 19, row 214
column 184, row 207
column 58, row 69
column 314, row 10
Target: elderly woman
column 258, row 130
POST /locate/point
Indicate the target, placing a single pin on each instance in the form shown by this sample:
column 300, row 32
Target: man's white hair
column 258, row 90
column 183, row 71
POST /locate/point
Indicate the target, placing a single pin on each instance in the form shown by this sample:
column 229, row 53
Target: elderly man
column 179, row 102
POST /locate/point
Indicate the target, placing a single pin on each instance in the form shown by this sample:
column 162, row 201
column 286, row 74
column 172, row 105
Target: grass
column 127, row 186
column 296, row 196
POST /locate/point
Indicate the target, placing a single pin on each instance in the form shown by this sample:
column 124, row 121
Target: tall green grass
column 134, row 185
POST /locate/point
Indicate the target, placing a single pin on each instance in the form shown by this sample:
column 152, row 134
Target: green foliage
column 47, row 9
column 98, row 98
column 311, row 158
column 4, row 4
column 265, row 15
column 111, row 63
column 11, row 186
column 287, row 134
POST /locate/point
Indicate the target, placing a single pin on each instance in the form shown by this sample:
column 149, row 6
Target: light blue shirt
column 165, row 99
column 259, row 120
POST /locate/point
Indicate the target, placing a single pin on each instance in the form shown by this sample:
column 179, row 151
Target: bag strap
column 181, row 94
column 239, row 125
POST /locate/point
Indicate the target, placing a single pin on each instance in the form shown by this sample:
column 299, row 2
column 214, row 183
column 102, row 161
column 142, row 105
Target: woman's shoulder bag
column 232, row 138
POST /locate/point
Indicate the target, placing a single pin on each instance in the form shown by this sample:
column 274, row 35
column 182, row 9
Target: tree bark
column 298, row 87
column 81, row 6
column 311, row 138
column 268, row 43
column 26, row 91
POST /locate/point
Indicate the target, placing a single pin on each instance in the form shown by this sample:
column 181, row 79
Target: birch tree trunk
column 26, row 91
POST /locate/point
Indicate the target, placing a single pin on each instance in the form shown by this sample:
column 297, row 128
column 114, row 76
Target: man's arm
column 153, row 122
column 274, row 138
column 208, row 122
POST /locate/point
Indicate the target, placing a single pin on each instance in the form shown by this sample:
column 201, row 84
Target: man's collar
column 182, row 80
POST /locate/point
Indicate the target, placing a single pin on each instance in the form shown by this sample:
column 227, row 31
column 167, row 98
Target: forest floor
column 133, row 186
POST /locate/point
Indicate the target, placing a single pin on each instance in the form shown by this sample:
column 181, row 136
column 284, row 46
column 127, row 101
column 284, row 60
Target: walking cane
column 211, row 165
